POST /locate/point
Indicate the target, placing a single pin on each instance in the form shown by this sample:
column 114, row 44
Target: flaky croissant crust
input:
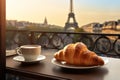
column 78, row 54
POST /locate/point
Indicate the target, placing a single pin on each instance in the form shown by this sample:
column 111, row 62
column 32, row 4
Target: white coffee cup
column 29, row 52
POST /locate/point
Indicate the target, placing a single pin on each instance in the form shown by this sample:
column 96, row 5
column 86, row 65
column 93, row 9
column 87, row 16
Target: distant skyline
column 56, row 11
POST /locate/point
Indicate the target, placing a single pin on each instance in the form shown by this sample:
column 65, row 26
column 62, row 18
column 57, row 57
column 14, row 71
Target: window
column 52, row 23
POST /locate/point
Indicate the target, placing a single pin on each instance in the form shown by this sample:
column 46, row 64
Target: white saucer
column 21, row 59
column 64, row 65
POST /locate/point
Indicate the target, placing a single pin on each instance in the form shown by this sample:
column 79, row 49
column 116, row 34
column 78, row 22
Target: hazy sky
column 56, row 11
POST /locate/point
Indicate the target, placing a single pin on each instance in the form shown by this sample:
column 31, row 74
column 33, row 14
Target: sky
column 56, row 11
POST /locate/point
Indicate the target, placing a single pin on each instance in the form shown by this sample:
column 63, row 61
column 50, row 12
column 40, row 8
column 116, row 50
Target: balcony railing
column 102, row 44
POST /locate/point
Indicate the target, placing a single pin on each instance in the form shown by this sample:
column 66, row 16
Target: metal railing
column 103, row 44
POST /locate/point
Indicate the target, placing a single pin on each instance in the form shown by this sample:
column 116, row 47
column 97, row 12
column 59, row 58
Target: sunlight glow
column 56, row 11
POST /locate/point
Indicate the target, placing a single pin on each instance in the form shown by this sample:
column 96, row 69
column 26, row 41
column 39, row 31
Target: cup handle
column 18, row 51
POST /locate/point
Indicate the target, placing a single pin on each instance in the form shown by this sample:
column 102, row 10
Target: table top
column 45, row 68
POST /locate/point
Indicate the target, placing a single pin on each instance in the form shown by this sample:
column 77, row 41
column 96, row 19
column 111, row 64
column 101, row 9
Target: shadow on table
column 85, row 74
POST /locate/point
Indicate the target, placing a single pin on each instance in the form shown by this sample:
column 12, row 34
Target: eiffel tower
column 71, row 15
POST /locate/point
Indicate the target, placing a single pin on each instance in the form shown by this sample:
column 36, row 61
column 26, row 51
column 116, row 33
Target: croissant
column 78, row 54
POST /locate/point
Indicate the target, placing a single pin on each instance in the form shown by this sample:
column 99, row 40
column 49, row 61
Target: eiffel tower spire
column 71, row 6
column 71, row 15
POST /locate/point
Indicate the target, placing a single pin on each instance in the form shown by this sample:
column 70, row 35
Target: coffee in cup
column 29, row 52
